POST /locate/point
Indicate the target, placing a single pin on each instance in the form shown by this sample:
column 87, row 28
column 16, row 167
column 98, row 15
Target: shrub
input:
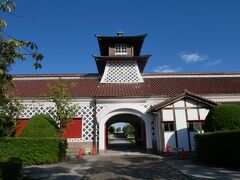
column 39, row 126
column 223, row 117
column 33, row 150
column 7, row 126
column 221, row 148
column 2, row 124
column 10, row 169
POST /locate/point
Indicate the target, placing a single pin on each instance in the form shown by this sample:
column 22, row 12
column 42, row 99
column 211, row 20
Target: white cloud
column 166, row 68
column 213, row 63
column 192, row 57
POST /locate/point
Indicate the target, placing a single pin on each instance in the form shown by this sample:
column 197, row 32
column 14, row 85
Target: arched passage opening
column 122, row 142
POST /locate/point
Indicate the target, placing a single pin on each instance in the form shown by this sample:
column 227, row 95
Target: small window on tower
column 121, row 49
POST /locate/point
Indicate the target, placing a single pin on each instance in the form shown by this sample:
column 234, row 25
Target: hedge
column 33, row 150
column 5, row 124
column 39, row 125
column 220, row 148
column 10, row 169
column 223, row 117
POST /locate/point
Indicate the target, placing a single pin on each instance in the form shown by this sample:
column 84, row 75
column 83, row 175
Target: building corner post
column 95, row 146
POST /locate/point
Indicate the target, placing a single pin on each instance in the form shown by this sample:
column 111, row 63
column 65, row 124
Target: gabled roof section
column 101, row 61
column 105, row 41
column 187, row 94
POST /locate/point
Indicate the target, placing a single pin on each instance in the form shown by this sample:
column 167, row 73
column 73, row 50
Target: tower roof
column 105, row 41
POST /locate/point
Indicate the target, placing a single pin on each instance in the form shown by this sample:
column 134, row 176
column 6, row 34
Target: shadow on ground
column 105, row 168
column 128, row 167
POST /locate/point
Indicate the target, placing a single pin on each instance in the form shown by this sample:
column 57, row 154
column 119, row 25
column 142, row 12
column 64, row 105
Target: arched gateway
column 139, row 136
column 137, row 118
column 166, row 108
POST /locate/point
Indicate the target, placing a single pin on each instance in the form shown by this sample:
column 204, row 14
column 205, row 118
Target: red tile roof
column 143, row 74
column 86, row 86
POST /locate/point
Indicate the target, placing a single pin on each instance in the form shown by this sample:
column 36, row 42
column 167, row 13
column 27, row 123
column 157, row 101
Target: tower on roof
column 120, row 60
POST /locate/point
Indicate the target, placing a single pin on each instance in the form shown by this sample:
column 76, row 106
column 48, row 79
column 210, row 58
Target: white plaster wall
column 203, row 112
column 167, row 115
column 224, row 98
column 169, row 138
column 192, row 114
column 191, row 103
column 181, row 127
column 179, row 103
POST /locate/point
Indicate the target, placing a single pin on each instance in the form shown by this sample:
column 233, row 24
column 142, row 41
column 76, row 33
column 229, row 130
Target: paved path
column 131, row 164
column 198, row 172
column 120, row 146
column 125, row 166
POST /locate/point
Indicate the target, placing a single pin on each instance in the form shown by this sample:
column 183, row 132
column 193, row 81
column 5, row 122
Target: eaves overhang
column 185, row 94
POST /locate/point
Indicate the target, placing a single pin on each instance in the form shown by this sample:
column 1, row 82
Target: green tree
column 11, row 50
column 111, row 130
column 128, row 129
column 64, row 109
column 8, row 117
column 118, row 130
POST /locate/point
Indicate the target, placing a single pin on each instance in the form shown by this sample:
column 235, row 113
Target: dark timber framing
column 170, row 102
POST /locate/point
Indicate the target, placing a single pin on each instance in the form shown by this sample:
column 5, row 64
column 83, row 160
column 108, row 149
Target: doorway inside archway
column 125, row 132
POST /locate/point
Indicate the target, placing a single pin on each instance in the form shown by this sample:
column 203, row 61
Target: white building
column 165, row 108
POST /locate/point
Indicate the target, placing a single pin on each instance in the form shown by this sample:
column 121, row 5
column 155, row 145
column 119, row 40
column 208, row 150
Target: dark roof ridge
column 188, row 73
column 121, row 56
column 134, row 36
column 56, row 75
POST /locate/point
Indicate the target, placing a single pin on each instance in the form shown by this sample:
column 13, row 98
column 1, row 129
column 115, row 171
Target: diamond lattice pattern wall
column 121, row 72
column 84, row 111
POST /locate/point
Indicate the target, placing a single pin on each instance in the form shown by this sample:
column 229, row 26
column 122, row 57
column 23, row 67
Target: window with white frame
column 121, row 49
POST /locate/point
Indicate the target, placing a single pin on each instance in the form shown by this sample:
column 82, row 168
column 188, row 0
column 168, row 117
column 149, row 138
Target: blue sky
column 183, row 36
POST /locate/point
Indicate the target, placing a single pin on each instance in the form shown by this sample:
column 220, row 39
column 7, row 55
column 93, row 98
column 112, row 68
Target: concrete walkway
column 125, row 166
column 132, row 164
column 197, row 171
column 128, row 165
column 121, row 146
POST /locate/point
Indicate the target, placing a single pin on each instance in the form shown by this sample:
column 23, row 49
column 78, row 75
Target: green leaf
column 37, row 65
column 3, row 24
column 14, row 5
